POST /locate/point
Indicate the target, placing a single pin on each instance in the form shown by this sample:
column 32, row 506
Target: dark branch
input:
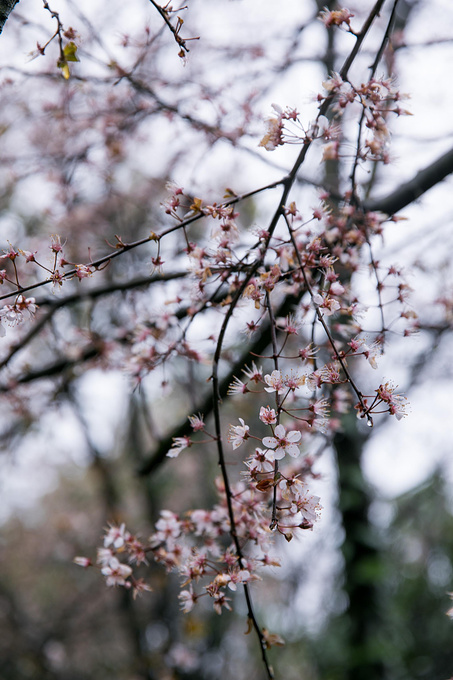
column 408, row 192
column 6, row 7
column 57, row 368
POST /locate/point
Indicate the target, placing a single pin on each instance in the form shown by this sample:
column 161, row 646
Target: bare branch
column 408, row 192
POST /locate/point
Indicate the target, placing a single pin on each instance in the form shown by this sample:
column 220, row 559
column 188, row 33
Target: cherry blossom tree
column 247, row 302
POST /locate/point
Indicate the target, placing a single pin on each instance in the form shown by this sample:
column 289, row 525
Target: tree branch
column 6, row 7
column 408, row 192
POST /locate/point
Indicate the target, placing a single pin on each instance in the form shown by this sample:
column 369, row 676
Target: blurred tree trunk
column 363, row 624
column 362, row 627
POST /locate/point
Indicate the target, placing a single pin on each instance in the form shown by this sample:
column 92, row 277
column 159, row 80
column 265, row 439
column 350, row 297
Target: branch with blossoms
column 304, row 260
column 166, row 12
column 293, row 279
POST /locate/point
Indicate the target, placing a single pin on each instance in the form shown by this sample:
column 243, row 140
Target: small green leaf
column 70, row 52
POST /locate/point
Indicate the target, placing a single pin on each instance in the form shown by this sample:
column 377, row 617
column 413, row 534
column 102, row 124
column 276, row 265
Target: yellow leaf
column 196, row 205
column 65, row 71
column 70, row 52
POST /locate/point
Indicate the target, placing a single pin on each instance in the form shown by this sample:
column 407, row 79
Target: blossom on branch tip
column 237, row 387
column 335, row 17
column 238, row 576
column 82, row 561
column 196, row 422
column 254, row 373
column 238, row 434
column 268, row 415
column 82, row 271
column 334, row 82
column 309, row 352
column 179, row 444
column 289, row 324
column 371, row 353
column 397, row 404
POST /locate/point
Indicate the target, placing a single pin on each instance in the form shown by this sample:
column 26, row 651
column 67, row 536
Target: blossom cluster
column 12, row 314
column 119, row 545
column 377, row 98
column 198, row 547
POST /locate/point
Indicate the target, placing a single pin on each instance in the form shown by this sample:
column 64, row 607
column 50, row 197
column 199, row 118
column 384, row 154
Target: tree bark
column 6, row 7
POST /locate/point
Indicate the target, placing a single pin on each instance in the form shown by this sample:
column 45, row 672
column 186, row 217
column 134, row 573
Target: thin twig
column 273, row 523
column 327, row 330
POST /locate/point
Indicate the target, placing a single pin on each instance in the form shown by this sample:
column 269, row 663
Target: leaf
column 64, row 69
column 70, row 52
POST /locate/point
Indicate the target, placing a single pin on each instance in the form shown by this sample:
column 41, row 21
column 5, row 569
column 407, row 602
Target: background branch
column 408, row 192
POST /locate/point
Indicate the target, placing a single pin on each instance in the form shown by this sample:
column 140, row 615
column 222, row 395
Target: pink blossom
column 336, row 288
column 238, row 576
column 283, row 442
column 104, row 556
column 10, row 254
column 179, row 444
column 294, row 380
column 238, row 433
column 335, row 17
column 82, row 271
column 320, row 407
column 262, row 461
column 187, row 599
column 237, row 387
column 308, row 353
column 254, row 373
column 221, row 600
column 196, row 422
column 168, row 526
column 268, row 415
column 274, row 134
column 327, row 304
column 309, row 507
column 139, row 586
column 275, row 382
column 116, row 572
column 29, row 256
column 116, row 536
column 397, row 403
column 56, row 246
column 82, row 561
column 289, row 324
